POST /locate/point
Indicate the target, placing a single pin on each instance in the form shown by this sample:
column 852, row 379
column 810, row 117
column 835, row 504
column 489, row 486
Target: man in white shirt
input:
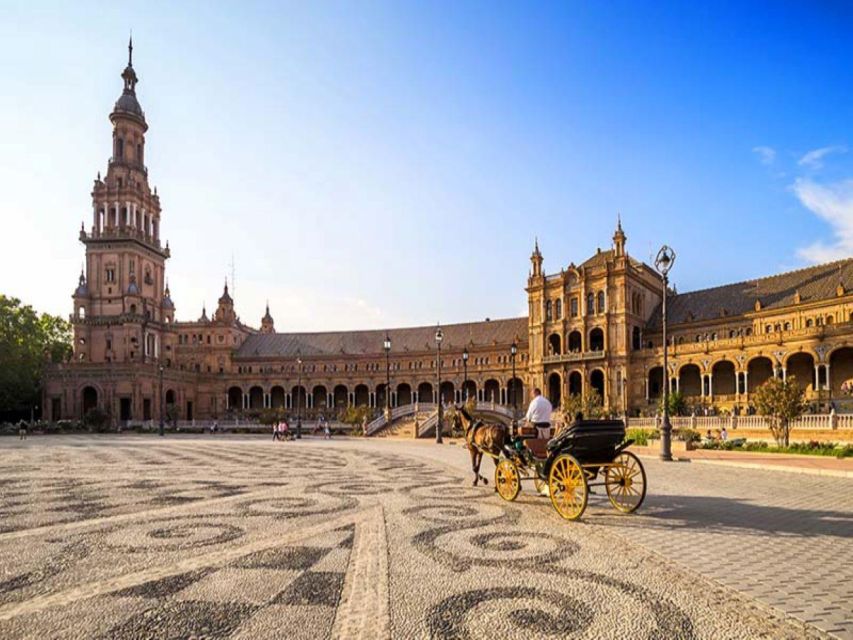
column 539, row 414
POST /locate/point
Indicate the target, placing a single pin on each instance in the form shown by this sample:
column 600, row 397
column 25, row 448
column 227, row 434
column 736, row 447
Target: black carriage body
column 590, row 441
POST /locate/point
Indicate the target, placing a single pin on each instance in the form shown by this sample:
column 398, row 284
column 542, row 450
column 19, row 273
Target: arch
column 800, row 368
column 596, row 339
column 469, row 389
column 299, row 399
column 492, row 391
column 380, row 395
column 362, row 395
column 724, row 378
column 235, row 398
column 575, row 383
column 655, row 382
column 319, row 397
column 277, row 397
column 690, row 380
column 555, row 344
column 340, row 396
column 170, row 397
column 89, row 397
column 636, row 338
column 840, row 369
column 256, row 398
column 575, row 342
column 759, row 370
column 596, row 381
column 404, row 394
column 555, row 389
column 515, row 392
column 425, row 393
column 447, row 390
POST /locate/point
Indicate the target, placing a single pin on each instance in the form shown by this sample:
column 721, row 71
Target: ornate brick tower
column 122, row 305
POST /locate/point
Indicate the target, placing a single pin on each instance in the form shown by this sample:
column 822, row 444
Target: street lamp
column 439, row 336
column 513, row 351
column 162, row 424
column 387, row 346
column 298, row 397
column 663, row 263
column 465, row 369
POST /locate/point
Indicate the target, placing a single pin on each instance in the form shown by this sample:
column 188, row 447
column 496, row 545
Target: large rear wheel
column 568, row 488
column 625, row 481
column 507, row 479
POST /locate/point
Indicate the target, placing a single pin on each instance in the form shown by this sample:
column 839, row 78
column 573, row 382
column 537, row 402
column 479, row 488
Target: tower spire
column 130, row 50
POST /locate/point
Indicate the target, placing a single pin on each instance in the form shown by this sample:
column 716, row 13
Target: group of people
column 281, row 430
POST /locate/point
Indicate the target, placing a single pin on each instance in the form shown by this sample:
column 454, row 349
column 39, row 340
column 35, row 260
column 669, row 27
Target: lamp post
column 162, row 423
column 298, row 397
column 663, row 263
column 513, row 351
column 465, row 369
column 387, row 346
column 439, row 336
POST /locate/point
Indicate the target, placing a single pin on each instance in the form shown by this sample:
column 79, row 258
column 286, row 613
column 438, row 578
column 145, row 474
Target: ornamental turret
column 536, row 260
column 619, row 239
column 267, row 323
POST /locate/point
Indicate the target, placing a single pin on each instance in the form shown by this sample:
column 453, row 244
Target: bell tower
column 122, row 306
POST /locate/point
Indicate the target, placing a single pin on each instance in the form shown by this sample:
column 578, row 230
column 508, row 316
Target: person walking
column 22, row 430
column 327, row 429
column 275, row 431
column 539, row 414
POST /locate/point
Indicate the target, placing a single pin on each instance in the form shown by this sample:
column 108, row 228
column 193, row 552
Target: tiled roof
column 412, row 339
column 813, row 283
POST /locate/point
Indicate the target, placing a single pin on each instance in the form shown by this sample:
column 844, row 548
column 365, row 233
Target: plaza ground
column 239, row 537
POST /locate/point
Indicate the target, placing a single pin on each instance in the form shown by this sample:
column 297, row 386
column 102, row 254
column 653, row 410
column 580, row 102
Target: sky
column 380, row 164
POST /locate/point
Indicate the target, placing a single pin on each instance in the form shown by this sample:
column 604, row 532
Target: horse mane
column 465, row 413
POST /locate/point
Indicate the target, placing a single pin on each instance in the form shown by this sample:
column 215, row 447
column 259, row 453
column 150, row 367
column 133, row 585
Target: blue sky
column 375, row 164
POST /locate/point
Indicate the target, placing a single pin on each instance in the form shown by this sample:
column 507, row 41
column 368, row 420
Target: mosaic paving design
column 131, row 537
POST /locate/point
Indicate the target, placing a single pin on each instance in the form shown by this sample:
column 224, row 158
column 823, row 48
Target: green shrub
column 641, row 437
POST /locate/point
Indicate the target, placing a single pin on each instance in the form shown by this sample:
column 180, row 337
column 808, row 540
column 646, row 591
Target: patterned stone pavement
column 227, row 537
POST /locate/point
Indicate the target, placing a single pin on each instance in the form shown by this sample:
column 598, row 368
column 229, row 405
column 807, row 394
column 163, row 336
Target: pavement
column 793, row 463
column 239, row 537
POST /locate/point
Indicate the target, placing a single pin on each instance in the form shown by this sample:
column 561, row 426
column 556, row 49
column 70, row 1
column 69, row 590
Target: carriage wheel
column 569, row 491
column 625, row 481
column 507, row 480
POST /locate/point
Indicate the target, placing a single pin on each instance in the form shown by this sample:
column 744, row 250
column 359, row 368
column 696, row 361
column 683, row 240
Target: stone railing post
column 833, row 419
column 734, row 422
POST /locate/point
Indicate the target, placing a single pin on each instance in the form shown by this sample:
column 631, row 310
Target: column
column 245, row 400
column 330, row 400
column 414, row 397
column 746, row 383
column 817, row 377
column 702, row 386
column 827, row 382
column 711, row 386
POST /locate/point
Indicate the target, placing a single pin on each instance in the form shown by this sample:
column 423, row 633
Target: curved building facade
column 591, row 325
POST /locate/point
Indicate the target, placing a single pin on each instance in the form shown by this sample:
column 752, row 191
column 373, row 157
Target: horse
column 480, row 437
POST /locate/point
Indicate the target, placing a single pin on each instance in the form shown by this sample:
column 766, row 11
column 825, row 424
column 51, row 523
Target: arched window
column 119, row 149
column 809, row 322
column 139, row 153
column 600, row 302
column 548, row 310
column 558, row 308
column 590, row 304
column 828, row 319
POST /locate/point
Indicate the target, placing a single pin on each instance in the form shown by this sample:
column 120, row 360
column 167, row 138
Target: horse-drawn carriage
column 588, row 453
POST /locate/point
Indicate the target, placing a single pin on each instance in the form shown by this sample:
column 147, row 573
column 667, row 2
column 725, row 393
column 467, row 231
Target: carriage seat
column 537, row 446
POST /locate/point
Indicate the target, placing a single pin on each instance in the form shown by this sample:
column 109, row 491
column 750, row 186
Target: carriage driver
column 539, row 414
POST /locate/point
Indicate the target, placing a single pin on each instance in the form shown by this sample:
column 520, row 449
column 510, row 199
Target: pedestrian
column 22, row 430
column 284, row 430
column 327, row 429
column 275, row 433
column 724, row 435
column 539, row 414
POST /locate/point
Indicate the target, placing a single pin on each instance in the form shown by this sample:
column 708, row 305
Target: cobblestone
column 233, row 537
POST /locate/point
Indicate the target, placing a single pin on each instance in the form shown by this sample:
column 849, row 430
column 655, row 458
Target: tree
column 27, row 341
column 677, row 404
column 355, row 416
column 781, row 401
column 589, row 403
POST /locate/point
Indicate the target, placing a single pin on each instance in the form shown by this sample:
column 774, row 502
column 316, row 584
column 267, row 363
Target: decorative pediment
column 797, row 297
column 757, row 305
column 839, row 290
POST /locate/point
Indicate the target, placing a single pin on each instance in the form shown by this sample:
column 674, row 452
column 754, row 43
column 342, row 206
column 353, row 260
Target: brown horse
column 480, row 437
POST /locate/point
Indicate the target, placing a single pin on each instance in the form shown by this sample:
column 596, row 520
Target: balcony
column 574, row 356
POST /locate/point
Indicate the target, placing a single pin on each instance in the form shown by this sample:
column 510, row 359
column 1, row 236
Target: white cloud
column 765, row 154
column 814, row 159
column 834, row 203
